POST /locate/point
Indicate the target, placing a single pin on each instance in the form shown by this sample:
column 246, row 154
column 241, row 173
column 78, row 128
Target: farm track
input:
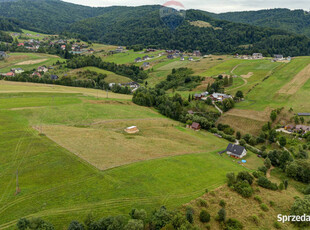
column 115, row 203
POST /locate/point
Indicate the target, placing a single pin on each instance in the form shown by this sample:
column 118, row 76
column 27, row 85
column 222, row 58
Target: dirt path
column 232, row 71
column 244, row 84
column 217, row 107
column 268, row 172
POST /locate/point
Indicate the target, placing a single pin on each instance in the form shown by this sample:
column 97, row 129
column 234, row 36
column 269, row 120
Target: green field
column 27, row 61
column 59, row 186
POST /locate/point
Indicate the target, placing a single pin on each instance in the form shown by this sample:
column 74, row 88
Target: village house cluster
column 258, row 56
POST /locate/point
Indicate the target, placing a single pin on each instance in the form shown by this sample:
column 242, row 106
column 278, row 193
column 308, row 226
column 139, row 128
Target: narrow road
column 217, row 107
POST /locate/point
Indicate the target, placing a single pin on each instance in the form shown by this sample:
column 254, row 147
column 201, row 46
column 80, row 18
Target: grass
column 15, row 87
column 27, row 61
column 59, row 186
column 111, row 77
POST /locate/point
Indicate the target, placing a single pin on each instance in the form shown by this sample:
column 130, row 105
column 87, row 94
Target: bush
column 75, row 225
column 255, row 219
column 208, row 227
column 190, row 214
column 258, row 174
column 277, row 225
column 244, row 175
column 204, row 216
column 258, row 199
column 272, row 203
column 264, row 207
column 265, row 183
column 222, row 203
column 233, row 224
column 202, row 203
column 244, row 189
column 222, row 215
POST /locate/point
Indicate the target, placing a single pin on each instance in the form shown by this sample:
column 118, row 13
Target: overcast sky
column 216, row 6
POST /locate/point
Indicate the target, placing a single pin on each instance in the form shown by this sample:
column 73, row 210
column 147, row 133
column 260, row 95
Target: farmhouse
column 191, row 59
column 42, row 69
column 138, row 59
column 36, row 74
column 302, row 128
column 197, row 53
column 9, row 74
column 146, row 64
column 182, row 59
column 146, row 58
column 236, row 151
column 2, row 55
column 54, row 77
column 219, row 96
column 195, row 126
column 303, row 114
column 131, row 129
column 17, row 70
column 278, row 57
column 170, row 56
column 257, row 56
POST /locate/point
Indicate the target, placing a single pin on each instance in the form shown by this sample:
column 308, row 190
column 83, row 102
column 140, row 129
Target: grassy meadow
column 60, row 185
column 27, row 61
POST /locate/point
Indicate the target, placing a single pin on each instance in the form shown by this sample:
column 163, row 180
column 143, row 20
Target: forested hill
column 49, row 16
column 143, row 25
column 8, row 24
column 296, row 21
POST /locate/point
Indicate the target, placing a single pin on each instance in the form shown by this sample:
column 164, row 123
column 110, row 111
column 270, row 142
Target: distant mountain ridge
column 122, row 25
column 296, row 21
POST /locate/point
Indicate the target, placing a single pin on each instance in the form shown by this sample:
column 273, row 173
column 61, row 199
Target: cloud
column 207, row 5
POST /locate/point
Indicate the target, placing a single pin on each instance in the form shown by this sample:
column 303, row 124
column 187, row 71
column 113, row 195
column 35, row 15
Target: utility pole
column 17, row 185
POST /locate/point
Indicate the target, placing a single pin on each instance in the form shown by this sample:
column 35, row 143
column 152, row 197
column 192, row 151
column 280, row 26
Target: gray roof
column 235, row 149
column 303, row 114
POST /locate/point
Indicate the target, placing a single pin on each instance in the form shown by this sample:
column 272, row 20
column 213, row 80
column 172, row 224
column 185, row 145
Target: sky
column 216, row 6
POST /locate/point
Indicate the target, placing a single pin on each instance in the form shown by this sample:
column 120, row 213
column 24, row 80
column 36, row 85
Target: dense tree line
column 5, row 37
column 138, row 220
column 180, row 79
column 131, row 71
column 8, row 24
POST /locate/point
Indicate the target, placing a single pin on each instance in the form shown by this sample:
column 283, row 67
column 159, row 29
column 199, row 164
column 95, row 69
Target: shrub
column 301, row 207
column 307, row 190
column 222, row 215
column 277, row 225
column 264, row 207
column 258, row 174
column 208, row 227
column 244, row 189
column 255, row 219
column 75, row 225
column 272, row 203
column 265, row 183
column 190, row 214
column 202, row 203
column 222, row 203
column 258, row 199
column 207, row 190
column 233, row 224
column 204, row 216
column 212, row 193
column 244, row 175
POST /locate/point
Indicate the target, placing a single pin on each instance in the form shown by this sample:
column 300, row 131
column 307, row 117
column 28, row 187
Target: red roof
column 9, row 74
column 195, row 125
column 21, row 44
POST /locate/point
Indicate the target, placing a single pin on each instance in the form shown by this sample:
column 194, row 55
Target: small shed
column 132, row 129
column 195, row 126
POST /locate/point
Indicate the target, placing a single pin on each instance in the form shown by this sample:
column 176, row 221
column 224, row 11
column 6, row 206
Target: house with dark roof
column 138, row 59
column 54, row 77
column 303, row 114
column 145, row 64
column 236, row 151
column 2, row 55
column 195, row 126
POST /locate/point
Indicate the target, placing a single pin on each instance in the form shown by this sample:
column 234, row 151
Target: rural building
column 219, row 96
column 198, row 96
column 302, row 128
column 278, row 57
column 170, row 56
column 289, row 127
column 17, row 70
column 138, row 59
column 2, row 55
column 197, row 53
column 182, row 59
column 146, row 64
column 37, row 74
column 21, row 44
column 190, row 112
column 191, row 59
column 236, row 151
column 195, row 126
column 146, row 58
column 131, row 129
column 54, row 77
column 42, row 69
column 9, row 74
column 257, row 56
column 303, row 114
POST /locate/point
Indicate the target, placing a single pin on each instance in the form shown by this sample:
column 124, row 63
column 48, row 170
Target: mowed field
column 59, row 183
column 27, row 61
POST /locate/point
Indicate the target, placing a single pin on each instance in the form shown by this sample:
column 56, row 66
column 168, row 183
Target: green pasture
column 60, row 187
